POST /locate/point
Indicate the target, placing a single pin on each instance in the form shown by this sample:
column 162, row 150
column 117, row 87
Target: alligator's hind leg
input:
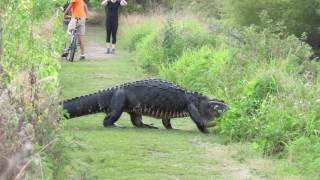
column 116, row 106
column 166, row 123
column 136, row 120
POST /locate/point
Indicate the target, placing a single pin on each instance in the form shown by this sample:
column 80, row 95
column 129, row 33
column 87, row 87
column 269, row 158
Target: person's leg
column 114, row 37
column 108, row 38
column 81, row 32
column 81, row 39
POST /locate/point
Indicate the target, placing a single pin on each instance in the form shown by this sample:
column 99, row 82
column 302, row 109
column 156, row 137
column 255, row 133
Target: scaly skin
column 153, row 97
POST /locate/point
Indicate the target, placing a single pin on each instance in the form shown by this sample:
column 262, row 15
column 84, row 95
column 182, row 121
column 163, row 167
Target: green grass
column 132, row 153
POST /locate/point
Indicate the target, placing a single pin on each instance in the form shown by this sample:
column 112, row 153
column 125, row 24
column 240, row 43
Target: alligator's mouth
column 220, row 112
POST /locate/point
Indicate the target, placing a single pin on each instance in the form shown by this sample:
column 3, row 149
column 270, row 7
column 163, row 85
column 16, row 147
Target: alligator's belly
column 158, row 113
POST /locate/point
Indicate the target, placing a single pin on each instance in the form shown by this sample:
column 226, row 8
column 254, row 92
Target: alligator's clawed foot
column 150, row 126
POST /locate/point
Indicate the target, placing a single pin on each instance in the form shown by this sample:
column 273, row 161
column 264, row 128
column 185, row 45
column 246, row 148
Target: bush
column 137, row 34
column 29, row 40
column 242, row 122
column 164, row 45
column 31, row 146
column 29, row 129
column 267, row 79
column 178, row 37
column 272, row 110
column 296, row 15
column 196, row 68
column 151, row 53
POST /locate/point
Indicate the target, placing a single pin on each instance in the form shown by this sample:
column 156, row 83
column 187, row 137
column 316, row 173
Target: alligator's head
column 210, row 109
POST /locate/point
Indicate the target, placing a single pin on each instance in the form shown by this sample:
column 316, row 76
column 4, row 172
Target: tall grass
column 29, row 132
column 162, row 42
column 140, row 26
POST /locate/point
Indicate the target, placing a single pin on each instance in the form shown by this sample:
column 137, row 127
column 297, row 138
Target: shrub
column 177, row 37
column 272, row 111
column 242, row 121
column 299, row 17
column 165, row 45
column 197, row 69
column 151, row 53
column 267, row 79
column 29, row 131
column 137, row 34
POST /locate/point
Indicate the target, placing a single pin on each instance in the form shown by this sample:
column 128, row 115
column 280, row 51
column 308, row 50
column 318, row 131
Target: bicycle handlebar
column 68, row 17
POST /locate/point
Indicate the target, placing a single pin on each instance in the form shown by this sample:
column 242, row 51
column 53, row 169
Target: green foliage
column 260, row 88
column 137, row 33
column 31, row 35
column 24, row 40
column 206, row 61
column 297, row 16
column 151, row 53
column 267, row 44
column 179, row 36
column 266, row 78
column 204, row 8
column 172, row 43
column 165, row 44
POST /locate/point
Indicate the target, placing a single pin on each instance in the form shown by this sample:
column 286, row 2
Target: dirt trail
column 95, row 43
column 96, row 52
column 230, row 163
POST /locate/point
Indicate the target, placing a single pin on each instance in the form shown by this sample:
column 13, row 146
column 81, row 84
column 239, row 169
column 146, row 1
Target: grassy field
column 132, row 153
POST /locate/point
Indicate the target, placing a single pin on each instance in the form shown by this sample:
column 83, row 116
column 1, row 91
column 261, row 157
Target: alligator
column 156, row 98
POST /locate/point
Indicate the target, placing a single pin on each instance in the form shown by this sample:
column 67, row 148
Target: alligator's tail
column 88, row 104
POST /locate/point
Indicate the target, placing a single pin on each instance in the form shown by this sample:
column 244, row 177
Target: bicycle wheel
column 73, row 48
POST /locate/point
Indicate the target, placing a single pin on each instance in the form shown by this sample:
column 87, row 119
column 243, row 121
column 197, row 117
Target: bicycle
column 72, row 49
column 73, row 45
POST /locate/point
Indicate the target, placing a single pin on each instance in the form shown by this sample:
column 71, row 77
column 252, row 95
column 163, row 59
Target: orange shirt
column 77, row 8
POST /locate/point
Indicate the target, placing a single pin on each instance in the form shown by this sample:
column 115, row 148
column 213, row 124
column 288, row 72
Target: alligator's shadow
column 135, row 129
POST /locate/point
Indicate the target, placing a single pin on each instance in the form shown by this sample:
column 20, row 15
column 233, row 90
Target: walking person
column 112, row 19
column 79, row 13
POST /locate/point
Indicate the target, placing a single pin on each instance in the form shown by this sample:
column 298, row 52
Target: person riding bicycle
column 79, row 13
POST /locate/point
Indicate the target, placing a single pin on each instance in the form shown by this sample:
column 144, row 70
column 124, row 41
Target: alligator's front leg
column 136, row 120
column 195, row 116
column 166, row 123
column 117, row 105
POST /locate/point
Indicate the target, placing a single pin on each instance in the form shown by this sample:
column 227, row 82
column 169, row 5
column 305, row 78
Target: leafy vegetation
column 264, row 74
column 165, row 43
column 297, row 16
column 31, row 145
